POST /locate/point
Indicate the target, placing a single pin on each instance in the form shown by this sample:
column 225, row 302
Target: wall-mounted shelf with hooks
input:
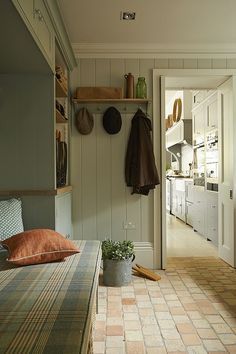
column 124, row 105
column 110, row 100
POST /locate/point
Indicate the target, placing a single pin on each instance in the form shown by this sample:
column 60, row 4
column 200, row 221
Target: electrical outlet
column 128, row 225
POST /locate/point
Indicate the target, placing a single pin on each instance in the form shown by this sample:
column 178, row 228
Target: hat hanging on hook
column 84, row 121
column 112, row 121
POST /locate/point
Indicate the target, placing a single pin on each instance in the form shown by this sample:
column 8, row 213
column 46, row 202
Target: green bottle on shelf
column 141, row 88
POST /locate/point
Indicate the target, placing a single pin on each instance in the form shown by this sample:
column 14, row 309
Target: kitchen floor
column 182, row 241
column 192, row 309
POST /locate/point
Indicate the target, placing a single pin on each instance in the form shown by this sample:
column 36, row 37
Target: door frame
column 159, row 130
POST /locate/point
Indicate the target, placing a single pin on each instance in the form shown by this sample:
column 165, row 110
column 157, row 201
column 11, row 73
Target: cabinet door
column 212, row 218
column 27, row 6
column 44, row 29
column 183, row 209
column 189, row 191
column 199, row 211
column 63, row 215
column 198, row 121
column 212, row 118
column 189, row 213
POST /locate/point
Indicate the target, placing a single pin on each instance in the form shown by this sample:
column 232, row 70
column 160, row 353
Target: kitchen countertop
column 180, row 177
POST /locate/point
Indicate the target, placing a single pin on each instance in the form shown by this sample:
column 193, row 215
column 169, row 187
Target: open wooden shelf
column 110, row 100
column 27, row 192
column 60, row 90
column 60, row 118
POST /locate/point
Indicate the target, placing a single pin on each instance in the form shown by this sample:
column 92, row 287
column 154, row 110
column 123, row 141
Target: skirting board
column 144, row 254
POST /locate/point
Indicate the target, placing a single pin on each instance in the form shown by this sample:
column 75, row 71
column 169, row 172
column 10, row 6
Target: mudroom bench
column 50, row 308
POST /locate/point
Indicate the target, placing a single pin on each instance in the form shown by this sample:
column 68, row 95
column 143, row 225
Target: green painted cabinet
column 37, row 20
column 28, row 127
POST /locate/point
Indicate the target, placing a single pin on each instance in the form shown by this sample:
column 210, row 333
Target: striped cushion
column 10, row 218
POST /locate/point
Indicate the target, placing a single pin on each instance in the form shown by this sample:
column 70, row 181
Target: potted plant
column 117, row 262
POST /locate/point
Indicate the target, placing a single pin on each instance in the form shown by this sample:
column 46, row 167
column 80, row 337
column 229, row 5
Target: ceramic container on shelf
column 129, row 85
column 141, row 88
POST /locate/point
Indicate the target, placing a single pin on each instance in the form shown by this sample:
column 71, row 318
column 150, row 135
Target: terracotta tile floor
column 192, row 309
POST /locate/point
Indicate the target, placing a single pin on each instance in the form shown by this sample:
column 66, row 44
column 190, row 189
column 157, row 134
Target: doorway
column 194, row 81
column 188, row 231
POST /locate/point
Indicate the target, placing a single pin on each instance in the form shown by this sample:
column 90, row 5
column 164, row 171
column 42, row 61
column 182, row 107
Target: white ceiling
column 167, row 22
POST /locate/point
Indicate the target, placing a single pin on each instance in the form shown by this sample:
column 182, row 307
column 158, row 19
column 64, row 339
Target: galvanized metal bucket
column 117, row 272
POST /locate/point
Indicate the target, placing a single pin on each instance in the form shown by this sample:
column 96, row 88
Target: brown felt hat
column 84, row 121
column 112, row 121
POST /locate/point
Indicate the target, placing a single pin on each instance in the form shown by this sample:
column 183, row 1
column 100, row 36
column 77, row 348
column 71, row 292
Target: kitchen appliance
column 199, row 165
column 168, row 195
column 212, row 161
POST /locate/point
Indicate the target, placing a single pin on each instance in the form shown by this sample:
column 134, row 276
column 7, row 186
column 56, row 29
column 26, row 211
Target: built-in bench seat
column 50, row 308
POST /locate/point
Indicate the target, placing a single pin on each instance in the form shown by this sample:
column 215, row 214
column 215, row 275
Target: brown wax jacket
column 140, row 168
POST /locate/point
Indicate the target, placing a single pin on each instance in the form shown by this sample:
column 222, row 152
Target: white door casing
column 159, row 144
column 226, row 171
column 163, row 176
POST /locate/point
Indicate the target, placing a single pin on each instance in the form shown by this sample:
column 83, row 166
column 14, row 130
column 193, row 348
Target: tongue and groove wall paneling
column 76, row 162
column 118, row 148
column 88, row 163
column 133, row 202
column 102, row 179
column 147, row 217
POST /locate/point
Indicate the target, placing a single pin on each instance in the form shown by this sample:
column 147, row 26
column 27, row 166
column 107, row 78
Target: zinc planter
column 117, row 272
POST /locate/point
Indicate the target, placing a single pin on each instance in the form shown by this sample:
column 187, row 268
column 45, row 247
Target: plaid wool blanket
column 47, row 308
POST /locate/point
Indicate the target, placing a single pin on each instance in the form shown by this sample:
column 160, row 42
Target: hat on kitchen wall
column 84, row 121
column 112, row 121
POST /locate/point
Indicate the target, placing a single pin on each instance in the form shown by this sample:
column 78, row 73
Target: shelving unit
column 32, row 192
column 60, row 89
column 60, row 118
column 124, row 105
column 110, row 100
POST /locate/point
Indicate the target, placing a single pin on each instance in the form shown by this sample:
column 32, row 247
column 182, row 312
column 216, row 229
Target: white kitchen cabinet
column 178, row 198
column 189, row 213
column 198, row 121
column 199, row 211
column 189, row 191
column 212, row 217
column 181, row 131
column 212, row 118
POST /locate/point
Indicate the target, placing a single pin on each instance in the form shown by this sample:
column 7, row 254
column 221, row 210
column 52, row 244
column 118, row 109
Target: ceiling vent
column 127, row 15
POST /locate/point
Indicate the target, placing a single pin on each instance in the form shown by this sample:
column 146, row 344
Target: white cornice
column 154, row 50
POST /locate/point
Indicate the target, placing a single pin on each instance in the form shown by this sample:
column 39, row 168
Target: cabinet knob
column 213, row 206
column 39, row 14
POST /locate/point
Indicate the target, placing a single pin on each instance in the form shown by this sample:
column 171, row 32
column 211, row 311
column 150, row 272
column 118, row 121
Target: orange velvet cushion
column 38, row 246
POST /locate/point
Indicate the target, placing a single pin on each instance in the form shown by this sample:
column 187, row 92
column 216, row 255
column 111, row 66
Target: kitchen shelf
column 60, row 89
column 60, row 118
column 27, row 192
column 110, row 100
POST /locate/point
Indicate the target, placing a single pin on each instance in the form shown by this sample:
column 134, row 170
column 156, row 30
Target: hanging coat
column 140, row 168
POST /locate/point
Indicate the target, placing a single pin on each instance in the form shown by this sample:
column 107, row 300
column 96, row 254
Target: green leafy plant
column 118, row 250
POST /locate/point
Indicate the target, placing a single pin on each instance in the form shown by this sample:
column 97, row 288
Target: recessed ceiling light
column 127, row 15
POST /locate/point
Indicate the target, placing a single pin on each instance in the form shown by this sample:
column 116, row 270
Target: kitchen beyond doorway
column 182, row 241
column 191, row 201
column 224, row 80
